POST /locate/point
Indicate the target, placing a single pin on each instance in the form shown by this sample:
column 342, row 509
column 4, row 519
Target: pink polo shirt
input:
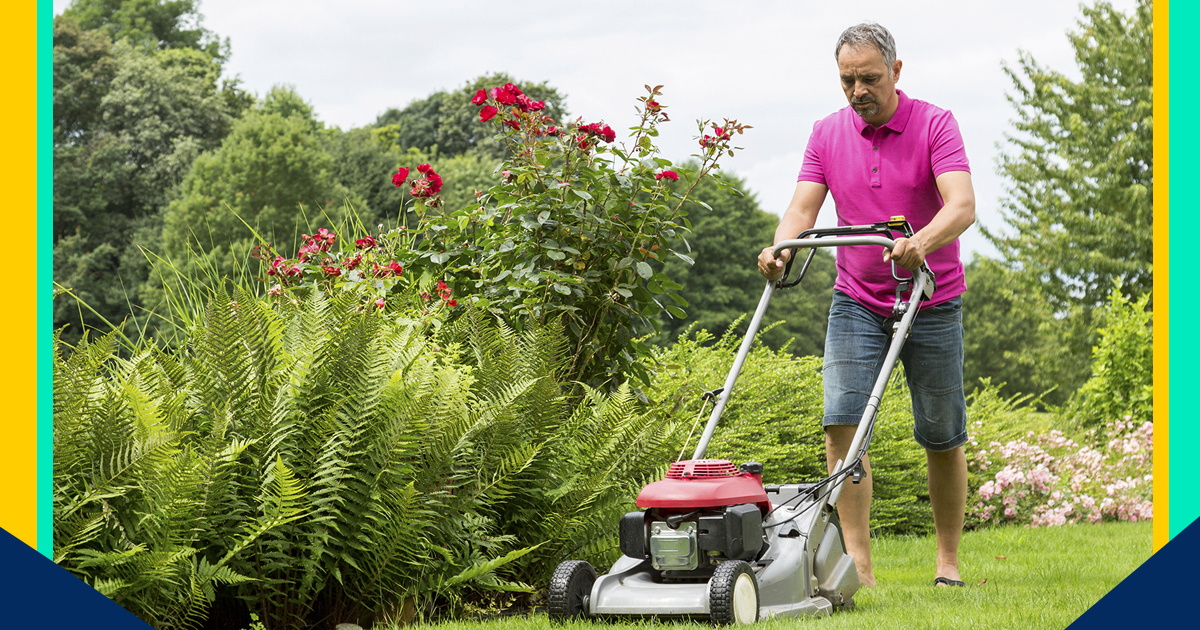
column 877, row 173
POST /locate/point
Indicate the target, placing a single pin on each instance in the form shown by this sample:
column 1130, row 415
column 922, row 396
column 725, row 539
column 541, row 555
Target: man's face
column 869, row 88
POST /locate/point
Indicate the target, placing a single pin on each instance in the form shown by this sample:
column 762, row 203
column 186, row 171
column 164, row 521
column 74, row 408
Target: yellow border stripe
column 18, row 178
column 1161, row 276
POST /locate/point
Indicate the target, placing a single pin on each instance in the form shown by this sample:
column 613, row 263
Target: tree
column 724, row 283
column 272, row 173
column 447, row 123
column 128, row 123
column 1081, row 170
column 1012, row 336
column 155, row 23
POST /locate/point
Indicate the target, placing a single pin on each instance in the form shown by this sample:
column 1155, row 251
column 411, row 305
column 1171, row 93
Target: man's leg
column 933, row 357
column 948, row 497
column 854, row 504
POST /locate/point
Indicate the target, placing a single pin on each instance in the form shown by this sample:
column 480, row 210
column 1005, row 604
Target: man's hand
column 770, row 266
column 908, row 253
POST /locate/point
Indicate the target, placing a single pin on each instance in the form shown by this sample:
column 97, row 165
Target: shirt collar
column 899, row 119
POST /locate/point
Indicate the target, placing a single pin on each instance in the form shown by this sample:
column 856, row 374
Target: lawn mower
column 710, row 539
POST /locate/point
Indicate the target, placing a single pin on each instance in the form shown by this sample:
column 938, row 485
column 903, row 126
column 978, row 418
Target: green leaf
column 684, row 258
column 561, row 288
column 676, row 311
column 644, row 270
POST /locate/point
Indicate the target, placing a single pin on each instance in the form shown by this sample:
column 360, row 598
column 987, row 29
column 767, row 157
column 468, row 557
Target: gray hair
column 869, row 34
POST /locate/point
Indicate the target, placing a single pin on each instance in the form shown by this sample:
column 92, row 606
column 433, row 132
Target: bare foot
column 866, row 578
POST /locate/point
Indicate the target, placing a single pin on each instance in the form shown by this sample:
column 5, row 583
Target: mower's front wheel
column 733, row 594
column 570, row 589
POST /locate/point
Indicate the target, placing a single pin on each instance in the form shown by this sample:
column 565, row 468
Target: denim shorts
column 855, row 346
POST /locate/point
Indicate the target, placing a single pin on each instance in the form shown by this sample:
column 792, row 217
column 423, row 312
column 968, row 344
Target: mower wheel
column 733, row 594
column 570, row 588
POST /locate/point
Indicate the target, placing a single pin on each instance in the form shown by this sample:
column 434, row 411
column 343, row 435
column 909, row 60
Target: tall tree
column 1012, row 336
column 272, row 172
column 154, row 23
column 128, row 122
column 1080, row 168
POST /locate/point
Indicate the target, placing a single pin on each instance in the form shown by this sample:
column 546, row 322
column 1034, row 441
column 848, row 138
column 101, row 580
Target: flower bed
column 1051, row 479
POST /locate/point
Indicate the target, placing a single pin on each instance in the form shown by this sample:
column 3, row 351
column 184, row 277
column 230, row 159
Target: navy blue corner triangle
column 1162, row 589
column 36, row 593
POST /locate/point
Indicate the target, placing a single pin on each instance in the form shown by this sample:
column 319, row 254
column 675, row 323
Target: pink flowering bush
column 1051, row 479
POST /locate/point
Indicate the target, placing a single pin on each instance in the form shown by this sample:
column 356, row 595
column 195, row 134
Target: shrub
column 572, row 229
column 1050, row 479
column 1122, row 366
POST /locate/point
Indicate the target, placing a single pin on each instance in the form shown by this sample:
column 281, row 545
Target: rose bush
column 576, row 229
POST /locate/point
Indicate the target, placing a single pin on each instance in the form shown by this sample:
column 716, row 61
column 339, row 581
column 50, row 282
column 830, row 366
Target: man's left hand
column 908, row 253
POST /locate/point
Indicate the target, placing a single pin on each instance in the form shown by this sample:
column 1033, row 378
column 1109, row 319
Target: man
column 884, row 155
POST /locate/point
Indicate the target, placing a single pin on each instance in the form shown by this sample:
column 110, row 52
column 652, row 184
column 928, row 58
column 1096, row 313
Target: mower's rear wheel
column 733, row 594
column 570, row 589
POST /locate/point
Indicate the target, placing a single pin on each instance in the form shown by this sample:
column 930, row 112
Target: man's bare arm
column 957, row 214
column 801, row 214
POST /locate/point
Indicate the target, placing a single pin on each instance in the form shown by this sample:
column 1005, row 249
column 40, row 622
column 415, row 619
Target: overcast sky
column 768, row 64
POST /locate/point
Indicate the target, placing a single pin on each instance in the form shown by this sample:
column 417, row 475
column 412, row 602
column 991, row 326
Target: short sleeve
column 813, row 170
column 947, row 152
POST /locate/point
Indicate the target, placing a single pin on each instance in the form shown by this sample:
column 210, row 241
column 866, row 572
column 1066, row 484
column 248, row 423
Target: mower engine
column 704, row 512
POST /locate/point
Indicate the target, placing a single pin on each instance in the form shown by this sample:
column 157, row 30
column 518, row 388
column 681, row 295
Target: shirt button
column 875, row 149
column 874, row 170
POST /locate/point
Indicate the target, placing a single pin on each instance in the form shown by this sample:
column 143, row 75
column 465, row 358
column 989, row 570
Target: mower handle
column 922, row 288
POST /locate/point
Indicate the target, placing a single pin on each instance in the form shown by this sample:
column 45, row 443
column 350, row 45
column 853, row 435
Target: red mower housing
column 704, row 483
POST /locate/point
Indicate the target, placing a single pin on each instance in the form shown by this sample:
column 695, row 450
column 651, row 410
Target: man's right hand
column 770, row 266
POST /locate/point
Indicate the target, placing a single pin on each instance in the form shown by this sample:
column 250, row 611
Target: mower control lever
column 674, row 521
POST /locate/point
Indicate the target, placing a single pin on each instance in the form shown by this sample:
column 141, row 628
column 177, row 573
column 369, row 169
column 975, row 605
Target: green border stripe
column 45, row 277
column 1185, row 299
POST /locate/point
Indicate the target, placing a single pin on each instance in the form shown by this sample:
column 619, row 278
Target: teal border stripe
column 1184, row 267
column 45, row 277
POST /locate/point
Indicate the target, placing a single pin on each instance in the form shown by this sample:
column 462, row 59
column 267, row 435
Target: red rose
column 583, row 143
column 671, row 175
column 420, row 188
column 380, row 302
column 537, row 106
column 487, row 113
column 399, row 177
column 506, row 94
column 524, row 103
column 552, row 130
column 653, row 106
column 479, row 97
column 365, row 243
column 395, row 268
column 608, row 133
column 453, row 302
column 332, row 271
column 353, row 261
column 514, row 124
column 706, row 140
column 424, row 168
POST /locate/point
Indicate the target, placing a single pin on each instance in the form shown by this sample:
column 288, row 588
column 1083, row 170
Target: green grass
column 1048, row 577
